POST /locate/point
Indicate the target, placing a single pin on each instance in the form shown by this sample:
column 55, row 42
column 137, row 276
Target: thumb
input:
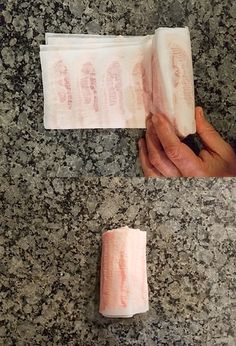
column 209, row 136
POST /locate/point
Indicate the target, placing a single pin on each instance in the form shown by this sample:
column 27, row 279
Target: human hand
column 162, row 153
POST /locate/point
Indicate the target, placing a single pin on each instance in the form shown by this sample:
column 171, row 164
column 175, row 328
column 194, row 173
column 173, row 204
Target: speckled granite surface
column 50, row 244
column 29, row 149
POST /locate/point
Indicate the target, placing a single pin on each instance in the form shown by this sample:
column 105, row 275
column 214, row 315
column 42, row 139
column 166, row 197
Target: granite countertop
column 50, row 245
column 29, row 149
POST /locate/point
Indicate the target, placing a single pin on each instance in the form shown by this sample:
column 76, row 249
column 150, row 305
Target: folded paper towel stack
column 94, row 81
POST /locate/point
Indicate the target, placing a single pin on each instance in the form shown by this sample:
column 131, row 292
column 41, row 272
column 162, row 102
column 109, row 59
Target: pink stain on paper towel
column 157, row 89
column 114, row 85
column 88, row 85
column 181, row 77
column 63, row 83
column 123, row 278
column 140, row 85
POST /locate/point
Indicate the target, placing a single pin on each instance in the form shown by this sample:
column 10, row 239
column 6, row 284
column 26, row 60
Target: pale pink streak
column 157, row 87
column 88, row 85
column 114, row 86
column 63, row 84
column 123, row 279
column 140, row 86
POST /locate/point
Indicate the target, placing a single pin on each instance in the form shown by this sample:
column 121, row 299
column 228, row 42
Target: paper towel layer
column 96, row 81
column 106, row 87
column 173, row 87
column 77, row 39
column 123, row 287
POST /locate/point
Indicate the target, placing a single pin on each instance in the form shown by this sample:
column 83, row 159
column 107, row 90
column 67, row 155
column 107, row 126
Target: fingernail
column 200, row 111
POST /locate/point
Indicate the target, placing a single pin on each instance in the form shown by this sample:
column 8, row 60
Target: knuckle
column 173, row 152
column 206, row 130
column 154, row 160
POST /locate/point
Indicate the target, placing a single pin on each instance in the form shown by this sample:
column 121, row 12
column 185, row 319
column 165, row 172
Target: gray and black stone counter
column 50, row 244
column 28, row 149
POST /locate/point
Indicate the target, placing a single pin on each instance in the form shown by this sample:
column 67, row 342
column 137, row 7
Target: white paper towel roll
column 123, row 286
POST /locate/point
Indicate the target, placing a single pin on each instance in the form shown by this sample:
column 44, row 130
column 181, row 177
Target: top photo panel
column 118, row 88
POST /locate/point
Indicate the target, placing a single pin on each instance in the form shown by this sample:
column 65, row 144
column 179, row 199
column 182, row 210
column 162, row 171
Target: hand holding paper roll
column 162, row 153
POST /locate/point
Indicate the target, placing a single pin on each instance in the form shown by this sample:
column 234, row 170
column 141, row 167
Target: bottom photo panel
column 114, row 261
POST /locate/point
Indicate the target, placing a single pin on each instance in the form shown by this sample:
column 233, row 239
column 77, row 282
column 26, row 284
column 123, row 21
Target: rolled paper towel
column 173, row 86
column 123, row 287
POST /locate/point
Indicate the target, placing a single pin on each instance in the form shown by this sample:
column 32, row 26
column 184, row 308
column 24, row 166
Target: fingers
column 179, row 153
column 148, row 169
column 210, row 137
column 156, row 154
